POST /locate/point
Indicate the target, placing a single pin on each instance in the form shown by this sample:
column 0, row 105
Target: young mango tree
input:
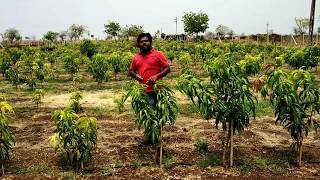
column 296, row 99
column 74, row 100
column 76, row 137
column 37, row 96
column 88, row 48
column 6, row 134
column 31, row 68
column 13, row 75
column 99, row 68
column 72, row 63
column 227, row 96
column 115, row 62
column 152, row 119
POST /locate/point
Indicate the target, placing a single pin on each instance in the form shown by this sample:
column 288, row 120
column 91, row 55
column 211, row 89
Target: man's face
column 144, row 44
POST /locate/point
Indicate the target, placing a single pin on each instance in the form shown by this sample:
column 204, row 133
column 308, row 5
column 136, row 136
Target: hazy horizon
column 36, row 17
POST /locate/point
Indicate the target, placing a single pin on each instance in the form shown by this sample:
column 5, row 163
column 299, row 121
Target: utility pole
column 176, row 21
column 267, row 32
column 311, row 24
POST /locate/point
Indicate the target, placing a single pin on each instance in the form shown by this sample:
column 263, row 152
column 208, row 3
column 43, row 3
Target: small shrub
column 168, row 162
column 106, row 171
column 243, row 165
column 211, row 160
column 88, row 48
column 75, row 99
column 201, row 145
column 75, row 138
column 7, row 138
column 37, row 96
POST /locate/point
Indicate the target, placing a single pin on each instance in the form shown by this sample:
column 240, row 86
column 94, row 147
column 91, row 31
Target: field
column 262, row 151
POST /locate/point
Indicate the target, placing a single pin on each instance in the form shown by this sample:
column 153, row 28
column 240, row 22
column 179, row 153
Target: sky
column 36, row 17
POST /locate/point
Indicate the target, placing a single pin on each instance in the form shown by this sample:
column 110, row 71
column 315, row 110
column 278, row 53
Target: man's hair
column 144, row 35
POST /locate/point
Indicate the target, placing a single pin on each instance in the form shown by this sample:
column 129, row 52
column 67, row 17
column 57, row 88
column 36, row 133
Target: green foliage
column 99, row 68
column 48, row 41
column 132, row 30
column 168, row 161
column 42, row 168
column 201, row 145
column 13, row 76
column 11, row 35
column 8, row 58
column 296, row 98
column 211, row 160
column 126, row 61
column 120, row 100
column 113, row 28
column 30, row 68
column 51, row 36
column 200, row 93
column 222, row 30
column 72, row 62
column 312, row 55
column 185, row 61
column 76, row 136
column 76, row 31
column 106, row 171
column 228, row 96
column 115, row 61
column 88, row 48
column 251, row 65
column 195, row 23
column 75, row 99
column 244, row 164
column 153, row 118
column 37, row 96
column 303, row 58
column 6, row 138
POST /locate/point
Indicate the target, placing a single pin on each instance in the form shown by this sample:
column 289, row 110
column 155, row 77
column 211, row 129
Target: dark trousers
column 152, row 98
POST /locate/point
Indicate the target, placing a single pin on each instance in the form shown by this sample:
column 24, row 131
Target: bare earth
column 120, row 153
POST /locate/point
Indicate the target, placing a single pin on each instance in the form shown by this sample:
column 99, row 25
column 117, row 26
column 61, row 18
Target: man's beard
column 145, row 50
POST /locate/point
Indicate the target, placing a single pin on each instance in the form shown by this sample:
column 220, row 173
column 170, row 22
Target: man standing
column 149, row 65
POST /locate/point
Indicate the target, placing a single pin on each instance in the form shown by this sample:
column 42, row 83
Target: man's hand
column 139, row 78
column 153, row 79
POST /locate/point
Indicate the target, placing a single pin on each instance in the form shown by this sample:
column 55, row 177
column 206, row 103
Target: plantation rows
column 219, row 79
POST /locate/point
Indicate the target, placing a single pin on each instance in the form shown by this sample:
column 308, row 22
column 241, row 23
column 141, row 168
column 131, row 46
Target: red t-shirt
column 149, row 65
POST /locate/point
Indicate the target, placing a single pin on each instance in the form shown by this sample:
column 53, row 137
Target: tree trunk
column 225, row 144
column 160, row 147
column 231, row 143
column 299, row 157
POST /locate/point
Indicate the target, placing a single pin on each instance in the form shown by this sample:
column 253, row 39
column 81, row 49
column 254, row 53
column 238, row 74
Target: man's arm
column 166, row 70
column 136, row 76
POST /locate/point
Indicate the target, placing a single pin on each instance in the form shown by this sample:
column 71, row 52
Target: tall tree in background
column 51, row 36
column 302, row 26
column 63, row 35
column 131, row 31
column 11, row 35
column 112, row 28
column 222, row 30
column 194, row 23
column 76, row 31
